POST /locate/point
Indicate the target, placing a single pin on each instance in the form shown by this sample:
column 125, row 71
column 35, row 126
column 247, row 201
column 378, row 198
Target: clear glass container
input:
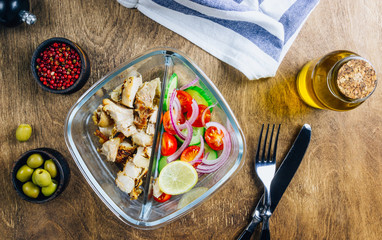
column 145, row 213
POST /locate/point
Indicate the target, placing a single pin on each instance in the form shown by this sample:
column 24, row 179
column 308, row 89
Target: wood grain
column 336, row 193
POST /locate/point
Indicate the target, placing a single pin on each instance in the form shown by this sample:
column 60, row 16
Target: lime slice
column 177, row 177
column 191, row 196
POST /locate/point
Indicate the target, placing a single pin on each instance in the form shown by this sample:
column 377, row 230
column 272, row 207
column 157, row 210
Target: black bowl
column 85, row 67
column 62, row 177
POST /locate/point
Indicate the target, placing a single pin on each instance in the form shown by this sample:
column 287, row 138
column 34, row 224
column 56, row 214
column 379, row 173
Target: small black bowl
column 85, row 67
column 62, row 177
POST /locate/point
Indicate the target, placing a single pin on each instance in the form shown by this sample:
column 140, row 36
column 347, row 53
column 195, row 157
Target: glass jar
column 339, row 81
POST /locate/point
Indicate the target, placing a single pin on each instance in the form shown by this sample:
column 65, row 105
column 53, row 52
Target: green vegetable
column 24, row 173
column 212, row 153
column 162, row 163
column 35, row 160
column 42, row 177
column 23, row 132
column 171, row 86
column 196, row 133
column 31, row 190
column 50, row 189
column 51, row 168
column 200, row 96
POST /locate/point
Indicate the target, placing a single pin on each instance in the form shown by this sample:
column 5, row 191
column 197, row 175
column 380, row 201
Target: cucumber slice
column 200, row 96
column 196, row 133
column 162, row 163
column 171, row 86
column 212, row 153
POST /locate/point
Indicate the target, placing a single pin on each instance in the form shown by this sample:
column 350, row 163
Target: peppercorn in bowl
column 60, row 66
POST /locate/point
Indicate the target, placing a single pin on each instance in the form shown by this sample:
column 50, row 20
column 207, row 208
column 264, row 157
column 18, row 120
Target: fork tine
column 270, row 144
column 265, row 144
column 259, row 144
column 275, row 148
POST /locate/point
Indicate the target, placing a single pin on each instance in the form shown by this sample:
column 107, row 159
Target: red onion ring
column 209, row 166
column 199, row 160
column 195, row 111
column 201, row 151
column 189, row 84
column 205, row 110
column 173, row 119
column 185, row 144
column 227, row 143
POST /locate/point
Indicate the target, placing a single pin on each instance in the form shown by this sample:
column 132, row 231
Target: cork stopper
column 356, row 79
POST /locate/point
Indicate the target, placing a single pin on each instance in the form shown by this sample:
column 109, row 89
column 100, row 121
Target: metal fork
column 265, row 168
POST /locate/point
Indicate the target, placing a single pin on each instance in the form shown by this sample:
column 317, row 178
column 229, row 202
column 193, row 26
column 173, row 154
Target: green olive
column 24, row 173
column 35, row 160
column 23, row 132
column 33, row 177
column 51, row 168
column 50, row 189
column 42, row 177
column 31, row 190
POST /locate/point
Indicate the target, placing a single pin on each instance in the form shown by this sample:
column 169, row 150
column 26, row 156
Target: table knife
column 282, row 178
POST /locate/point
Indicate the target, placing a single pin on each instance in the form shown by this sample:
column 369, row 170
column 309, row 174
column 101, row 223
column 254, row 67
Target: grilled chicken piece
column 130, row 88
column 135, row 193
column 100, row 118
column 131, row 170
column 125, row 152
column 123, row 117
column 107, row 131
column 124, row 182
column 142, row 139
column 142, row 157
column 116, row 94
column 150, row 130
column 144, row 102
column 110, row 149
column 156, row 190
column 154, row 115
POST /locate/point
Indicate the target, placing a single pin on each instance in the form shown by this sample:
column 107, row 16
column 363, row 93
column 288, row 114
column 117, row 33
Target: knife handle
column 248, row 231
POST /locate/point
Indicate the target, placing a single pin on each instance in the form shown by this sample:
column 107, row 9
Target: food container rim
column 93, row 182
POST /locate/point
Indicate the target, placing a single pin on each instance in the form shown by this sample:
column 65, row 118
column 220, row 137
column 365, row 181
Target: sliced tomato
column 169, row 144
column 185, row 100
column 163, row 198
column 167, row 122
column 198, row 121
column 189, row 154
column 214, row 138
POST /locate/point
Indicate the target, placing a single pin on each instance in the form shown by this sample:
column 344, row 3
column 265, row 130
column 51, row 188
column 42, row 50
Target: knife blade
column 283, row 176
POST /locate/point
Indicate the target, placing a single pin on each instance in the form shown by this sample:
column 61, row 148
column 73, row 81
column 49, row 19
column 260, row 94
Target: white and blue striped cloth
column 251, row 35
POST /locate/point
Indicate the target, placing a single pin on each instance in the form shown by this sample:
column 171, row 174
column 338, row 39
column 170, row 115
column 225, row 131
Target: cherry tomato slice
column 189, row 154
column 214, row 138
column 198, row 121
column 163, row 198
column 185, row 100
column 167, row 122
column 169, row 144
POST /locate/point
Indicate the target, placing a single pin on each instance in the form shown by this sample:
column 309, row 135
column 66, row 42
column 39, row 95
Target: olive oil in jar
column 340, row 81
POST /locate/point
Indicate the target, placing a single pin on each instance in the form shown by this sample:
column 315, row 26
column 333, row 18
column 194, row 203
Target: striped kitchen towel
column 251, row 35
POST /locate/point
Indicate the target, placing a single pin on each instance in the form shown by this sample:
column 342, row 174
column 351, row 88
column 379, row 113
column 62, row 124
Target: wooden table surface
column 336, row 193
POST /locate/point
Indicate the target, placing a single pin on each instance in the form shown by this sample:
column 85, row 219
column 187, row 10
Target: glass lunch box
column 145, row 213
